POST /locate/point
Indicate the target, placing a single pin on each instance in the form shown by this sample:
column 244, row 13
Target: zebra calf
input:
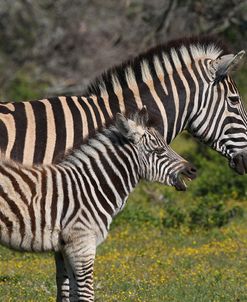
column 68, row 207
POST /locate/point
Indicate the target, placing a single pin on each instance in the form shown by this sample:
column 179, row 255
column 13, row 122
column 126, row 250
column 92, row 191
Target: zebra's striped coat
column 68, row 207
column 184, row 84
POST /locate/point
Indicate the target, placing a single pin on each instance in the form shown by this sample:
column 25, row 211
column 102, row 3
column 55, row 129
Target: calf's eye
column 160, row 151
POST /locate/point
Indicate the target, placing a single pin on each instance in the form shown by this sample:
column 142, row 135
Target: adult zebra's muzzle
column 187, row 172
column 239, row 162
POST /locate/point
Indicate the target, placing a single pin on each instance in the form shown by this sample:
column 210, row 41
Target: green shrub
column 204, row 213
column 174, row 218
column 213, row 199
column 210, row 212
column 216, row 178
column 136, row 215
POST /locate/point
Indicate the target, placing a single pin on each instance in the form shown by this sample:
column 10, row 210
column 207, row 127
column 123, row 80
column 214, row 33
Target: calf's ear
column 129, row 128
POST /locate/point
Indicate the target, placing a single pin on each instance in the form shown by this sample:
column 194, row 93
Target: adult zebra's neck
column 168, row 80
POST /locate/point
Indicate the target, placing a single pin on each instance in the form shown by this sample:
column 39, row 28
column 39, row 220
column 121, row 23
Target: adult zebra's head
column 221, row 119
column 157, row 161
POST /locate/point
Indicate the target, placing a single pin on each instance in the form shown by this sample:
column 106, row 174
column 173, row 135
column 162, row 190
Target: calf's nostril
column 189, row 171
column 193, row 170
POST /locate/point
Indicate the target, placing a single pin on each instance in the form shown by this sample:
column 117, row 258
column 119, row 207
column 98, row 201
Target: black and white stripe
column 68, row 207
column 185, row 84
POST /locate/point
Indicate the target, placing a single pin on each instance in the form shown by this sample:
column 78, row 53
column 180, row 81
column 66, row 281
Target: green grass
column 143, row 261
column 26, row 276
column 154, row 265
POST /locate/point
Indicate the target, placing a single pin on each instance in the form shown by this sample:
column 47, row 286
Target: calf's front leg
column 62, row 279
column 66, row 283
column 81, row 257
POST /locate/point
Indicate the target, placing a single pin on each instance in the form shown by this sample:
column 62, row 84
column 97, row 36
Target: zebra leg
column 81, row 258
column 72, row 281
column 62, row 279
column 66, row 282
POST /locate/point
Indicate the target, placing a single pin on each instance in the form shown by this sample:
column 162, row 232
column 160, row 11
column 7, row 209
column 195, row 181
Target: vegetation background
column 165, row 245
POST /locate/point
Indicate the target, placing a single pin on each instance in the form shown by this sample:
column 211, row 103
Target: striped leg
column 66, row 283
column 62, row 279
column 81, row 258
column 72, row 282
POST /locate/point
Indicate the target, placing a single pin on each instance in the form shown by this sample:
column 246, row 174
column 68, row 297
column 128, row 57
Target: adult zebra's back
column 185, row 84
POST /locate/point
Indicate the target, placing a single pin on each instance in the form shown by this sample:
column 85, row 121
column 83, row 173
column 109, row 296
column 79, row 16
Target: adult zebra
column 68, row 207
column 185, row 84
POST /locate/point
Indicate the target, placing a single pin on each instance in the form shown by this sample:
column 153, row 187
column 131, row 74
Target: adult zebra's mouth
column 187, row 173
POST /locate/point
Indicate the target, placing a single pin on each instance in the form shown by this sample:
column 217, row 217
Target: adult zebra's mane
column 187, row 50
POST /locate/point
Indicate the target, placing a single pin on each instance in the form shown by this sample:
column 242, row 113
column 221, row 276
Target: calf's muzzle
column 187, row 172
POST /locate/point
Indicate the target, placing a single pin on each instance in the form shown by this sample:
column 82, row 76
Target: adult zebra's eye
column 234, row 100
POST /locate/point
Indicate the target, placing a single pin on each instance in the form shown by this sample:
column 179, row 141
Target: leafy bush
column 213, row 199
column 174, row 217
column 204, row 213
column 212, row 213
column 216, row 178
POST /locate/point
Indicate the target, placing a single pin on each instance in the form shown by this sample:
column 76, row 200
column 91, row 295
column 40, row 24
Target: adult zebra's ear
column 129, row 128
column 224, row 64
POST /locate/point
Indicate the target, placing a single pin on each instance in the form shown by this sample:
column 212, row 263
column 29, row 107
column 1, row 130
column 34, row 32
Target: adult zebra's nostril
column 239, row 162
